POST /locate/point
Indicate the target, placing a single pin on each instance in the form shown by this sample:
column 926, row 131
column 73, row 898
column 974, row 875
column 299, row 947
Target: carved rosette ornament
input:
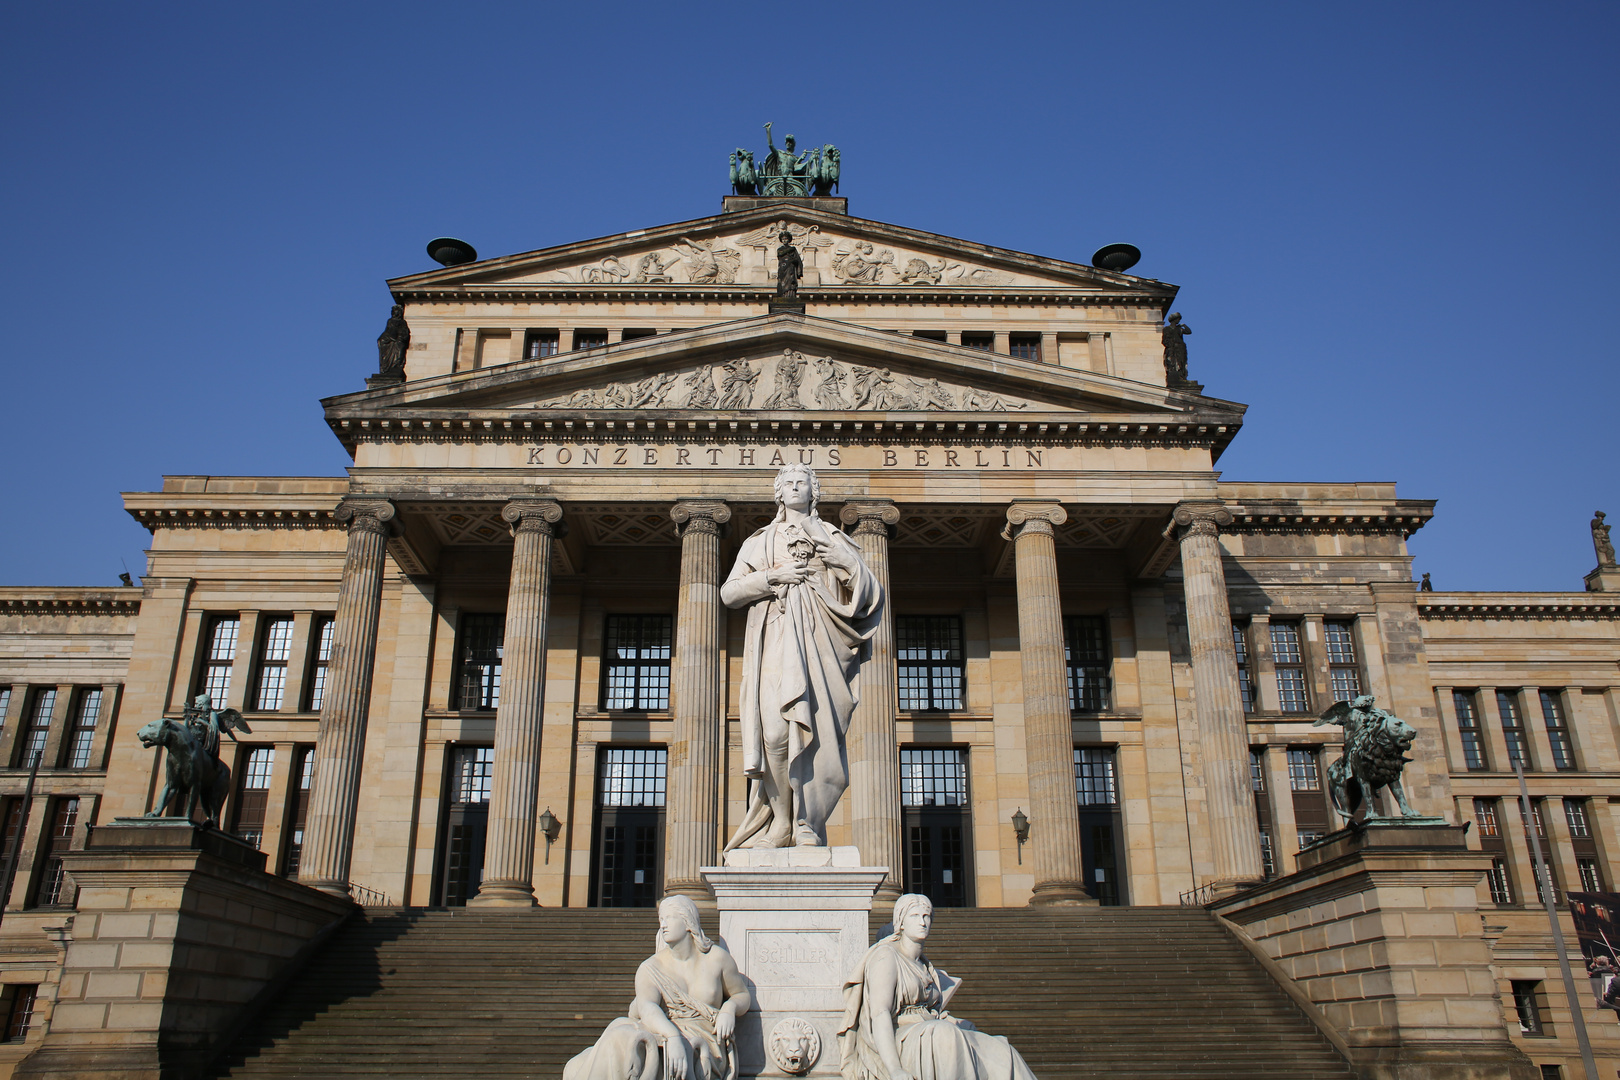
column 703, row 517
column 368, row 515
column 534, row 515
column 795, row 1046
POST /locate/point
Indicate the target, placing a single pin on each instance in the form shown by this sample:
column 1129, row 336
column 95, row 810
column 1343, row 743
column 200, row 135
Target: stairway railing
column 1199, row 897
column 368, row 897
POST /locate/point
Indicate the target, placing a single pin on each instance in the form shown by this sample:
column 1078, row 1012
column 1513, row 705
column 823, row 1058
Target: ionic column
column 1048, row 728
column 874, row 755
column 1233, row 829
column 340, row 739
column 698, row 699
column 514, row 787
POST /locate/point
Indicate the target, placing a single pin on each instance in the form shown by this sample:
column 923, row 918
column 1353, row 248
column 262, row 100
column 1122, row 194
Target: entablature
column 1517, row 605
column 58, row 600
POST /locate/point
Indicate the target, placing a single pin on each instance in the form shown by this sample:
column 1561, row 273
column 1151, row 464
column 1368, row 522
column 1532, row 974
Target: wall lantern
column 551, row 828
column 1020, row 825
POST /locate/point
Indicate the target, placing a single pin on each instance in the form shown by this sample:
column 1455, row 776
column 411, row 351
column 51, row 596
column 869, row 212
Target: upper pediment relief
column 739, row 250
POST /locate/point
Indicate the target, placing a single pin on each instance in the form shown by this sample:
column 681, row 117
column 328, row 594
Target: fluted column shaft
column 1048, row 728
column 340, row 739
column 1222, row 735
column 698, row 699
column 514, row 788
column 874, row 754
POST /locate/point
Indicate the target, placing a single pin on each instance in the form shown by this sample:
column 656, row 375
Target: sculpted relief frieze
column 792, row 382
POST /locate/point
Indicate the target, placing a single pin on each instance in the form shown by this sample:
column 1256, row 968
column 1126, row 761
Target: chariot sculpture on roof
column 785, row 173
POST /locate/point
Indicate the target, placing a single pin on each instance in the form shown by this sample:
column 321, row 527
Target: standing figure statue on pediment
column 1600, row 540
column 1174, row 337
column 830, row 390
column 701, row 393
column 393, row 343
column 789, row 266
column 789, row 374
column 737, row 387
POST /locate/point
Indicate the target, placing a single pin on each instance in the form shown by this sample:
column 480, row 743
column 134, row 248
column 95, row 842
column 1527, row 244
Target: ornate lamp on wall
column 1020, row 825
column 551, row 828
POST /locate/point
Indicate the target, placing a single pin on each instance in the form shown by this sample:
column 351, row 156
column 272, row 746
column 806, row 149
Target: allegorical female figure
column 895, row 1025
column 813, row 607
column 689, row 995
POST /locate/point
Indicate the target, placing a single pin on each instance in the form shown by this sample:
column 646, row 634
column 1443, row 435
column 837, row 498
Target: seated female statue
column 688, row 997
column 895, row 1024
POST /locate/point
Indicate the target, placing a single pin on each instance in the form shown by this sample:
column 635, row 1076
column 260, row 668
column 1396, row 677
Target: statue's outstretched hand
column 680, row 1058
column 725, row 1025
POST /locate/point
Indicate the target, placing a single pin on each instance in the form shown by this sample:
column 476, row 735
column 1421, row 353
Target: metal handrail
column 1199, row 897
column 367, row 897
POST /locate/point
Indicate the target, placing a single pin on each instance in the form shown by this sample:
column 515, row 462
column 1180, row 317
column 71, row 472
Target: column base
column 1062, row 894
column 1224, row 887
column 504, row 895
column 887, row 894
column 696, row 891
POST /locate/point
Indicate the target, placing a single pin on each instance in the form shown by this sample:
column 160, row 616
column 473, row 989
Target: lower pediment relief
column 792, row 382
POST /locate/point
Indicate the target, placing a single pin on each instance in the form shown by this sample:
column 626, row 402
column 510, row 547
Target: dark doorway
column 938, row 836
column 627, row 848
column 1097, row 790
column 465, row 825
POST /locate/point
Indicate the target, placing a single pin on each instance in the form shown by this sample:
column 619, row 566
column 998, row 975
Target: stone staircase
column 1138, row 993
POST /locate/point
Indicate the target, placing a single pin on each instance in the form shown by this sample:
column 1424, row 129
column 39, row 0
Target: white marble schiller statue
column 895, row 1025
column 689, row 995
column 813, row 606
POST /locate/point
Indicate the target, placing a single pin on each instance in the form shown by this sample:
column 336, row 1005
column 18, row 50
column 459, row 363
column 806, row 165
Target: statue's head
column 796, row 486
column 913, row 916
column 1175, row 316
column 789, row 143
column 203, row 702
column 677, row 917
column 786, row 237
column 398, row 309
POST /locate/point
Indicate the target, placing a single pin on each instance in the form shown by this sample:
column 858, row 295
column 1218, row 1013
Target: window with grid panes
column 1085, row 650
column 1094, row 780
column 1240, row 646
column 1497, row 879
column 539, row 344
column 220, row 658
column 1262, row 808
column 1529, row 1009
column 971, row 340
column 1575, row 814
column 933, row 778
column 19, row 1001
column 85, row 719
column 53, row 881
column 1462, row 701
column 1591, row 877
column 253, row 796
column 273, row 664
column 318, row 664
column 1025, row 346
column 471, row 769
column 1344, row 676
column 1290, row 666
column 1552, row 711
column 631, row 776
column 1485, row 815
column 479, row 681
column 1507, row 704
column 1303, row 773
column 928, row 652
column 635, row 665
column 590, row 339
column 38, row 729
column 5, row 701
column 1490, row 841
column 304, row 769
column 1257, row 770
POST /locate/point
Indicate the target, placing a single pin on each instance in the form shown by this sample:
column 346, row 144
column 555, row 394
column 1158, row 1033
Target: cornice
column 213, row 517
column 70, row 601
column 1541, row 606
column 748, row 294
column 1400, row 521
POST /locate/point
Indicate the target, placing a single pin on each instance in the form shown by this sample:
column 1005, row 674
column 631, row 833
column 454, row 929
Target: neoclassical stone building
column 490, row 664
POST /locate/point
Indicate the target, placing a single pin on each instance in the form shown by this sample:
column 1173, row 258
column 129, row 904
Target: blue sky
column 1393, row 224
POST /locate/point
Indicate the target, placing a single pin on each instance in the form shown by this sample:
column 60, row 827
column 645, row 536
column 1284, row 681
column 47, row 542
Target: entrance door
column 627, row 849
column 939, row 850
column 1100, row 833
column 464, row 825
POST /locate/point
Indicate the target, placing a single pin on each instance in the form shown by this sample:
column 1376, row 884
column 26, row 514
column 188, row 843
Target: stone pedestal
column 1604, row 579
column 795, row 920
column 1379, row 930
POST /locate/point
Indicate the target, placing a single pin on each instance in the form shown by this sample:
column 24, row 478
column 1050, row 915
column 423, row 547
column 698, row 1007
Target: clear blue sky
column 1394, row 225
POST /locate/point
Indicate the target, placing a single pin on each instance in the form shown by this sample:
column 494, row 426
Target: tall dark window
column 1468, row 729
column 1344, row 676
column 1552, row 711
column 298, row 817
column 1085, row 648
column 1491, row 843
column 1240, row 646
column 1507, row 703
column 1525, row 1000
column 5, row 701
column 539, row 344
column 39, row 727
column 933, row 799
column 1262, row 809
column 318, row 664
column 273, row 656
column 221, row 657
column 466, row 823
column 1305, row 784
column 928, row 649
column 972, row 340
column 1096, row 788
column 253, row 794
column 479, row 681
column 590, row 339
column 85, row 718
column 1539, row 821
column 53, row 882
column 1585, row 844
column 635, row 665
column 627, row 852
column 1290, row 664
column 1024, row 346
column 18, row 1002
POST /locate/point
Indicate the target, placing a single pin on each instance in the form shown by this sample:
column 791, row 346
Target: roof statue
column 785, row 173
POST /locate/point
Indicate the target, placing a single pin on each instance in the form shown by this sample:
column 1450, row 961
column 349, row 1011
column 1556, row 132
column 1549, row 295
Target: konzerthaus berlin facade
column 490, row 663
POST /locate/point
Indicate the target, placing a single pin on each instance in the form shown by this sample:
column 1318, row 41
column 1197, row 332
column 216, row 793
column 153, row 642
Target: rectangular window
column 1290, row 663
column 1303, row 773
column 933, row 778
column 971, row 340
column 635, row 664
column 253, row 794
column 539, row 344
column 1262, row 809
column 1257, row 770
column 1512, row 725
column 273, row 664
column 1240, row 646
column 1085, row 649
column 19, row 1001
column 221, row 657
column 929, row 335
column 1025, row 346
column 1094, row 780
column 1468, row 728
column 318, row 664
column 1575, row 813
column 1268, row 855
column 1541, row 825
column 471, row 768
column 929, row 655
column 1591, row 877
column 1485, row 815
column 1552, row 1072
column 5, row 701
column 1563, row 753
column 1343, row 673
column 1497, row 878
column 1489, row 821
column 53, row 882
column 1524, row 1000
column 85, row 719
column 590, row 339
column 39, row 727
column 304, row 769
column 479, row 683
column 631, row 776
column 637, row 334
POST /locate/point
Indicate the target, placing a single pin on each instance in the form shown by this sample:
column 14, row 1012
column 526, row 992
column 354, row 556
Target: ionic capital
column 533, row 515
column 1201, row 519
column 1033, row 518
column 871, row 517
column 367, row 515
column 701, row 515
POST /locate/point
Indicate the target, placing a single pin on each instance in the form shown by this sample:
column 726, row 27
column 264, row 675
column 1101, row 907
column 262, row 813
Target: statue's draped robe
column 627, row 1051
column 802, row 656
column 933, row 1044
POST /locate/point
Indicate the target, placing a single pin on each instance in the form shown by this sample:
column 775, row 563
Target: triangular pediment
column 738, row 251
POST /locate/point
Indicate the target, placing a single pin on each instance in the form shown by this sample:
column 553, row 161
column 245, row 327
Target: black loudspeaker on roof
column 448, row 251
column 1116, row 257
